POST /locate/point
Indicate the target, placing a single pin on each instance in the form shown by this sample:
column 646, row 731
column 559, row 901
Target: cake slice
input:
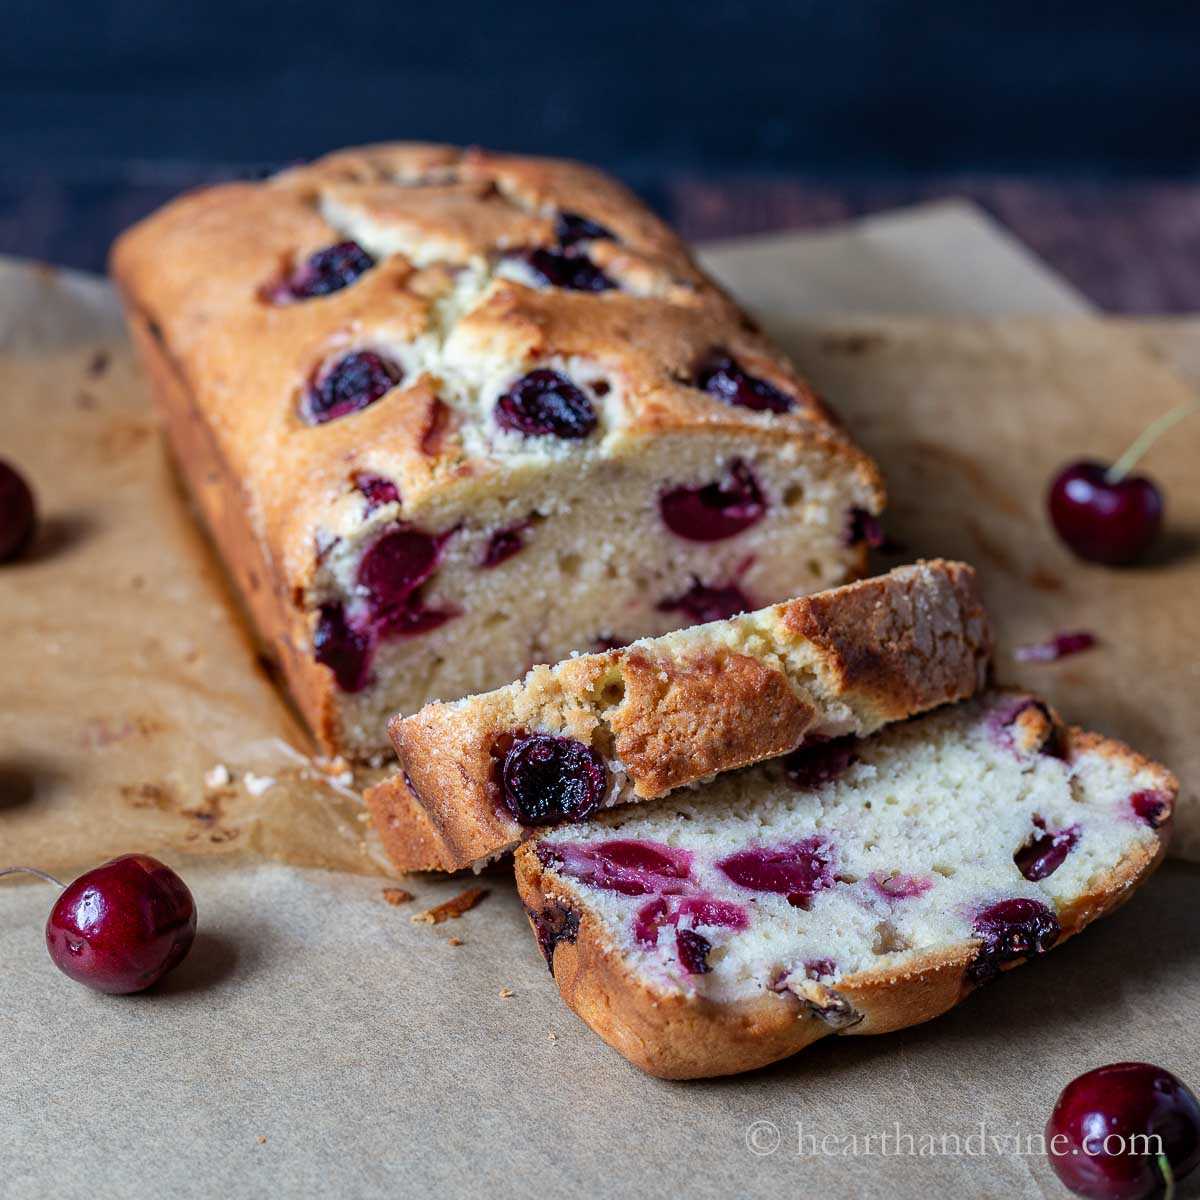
column 857, row 887
column 451, row 413
column 483, row 773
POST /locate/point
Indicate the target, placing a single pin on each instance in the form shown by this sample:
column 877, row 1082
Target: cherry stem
column 32, row 871
column 1147, row 438
column 1164, row 1168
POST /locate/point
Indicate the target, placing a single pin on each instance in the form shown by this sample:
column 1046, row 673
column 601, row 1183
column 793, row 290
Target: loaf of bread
column 449, row 414
column 850, row 888
column 481, row 774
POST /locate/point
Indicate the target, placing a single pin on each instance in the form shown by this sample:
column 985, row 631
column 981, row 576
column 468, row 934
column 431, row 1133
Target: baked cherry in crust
column 546, row 779
column 18, row 514
column 715, row 511
column 1125, row 1131
column 571, row 271
column 797, row 871
column 701, row 603
column 723, row 377
column 1151, row 806
column 121, row 927
column 328, row 270
column 545, row 402
column 1009, row 930
column 348, row 385
column 570, row 228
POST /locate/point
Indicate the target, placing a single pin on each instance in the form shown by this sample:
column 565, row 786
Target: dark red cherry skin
column 328, row 270
column 693, row 949
column 819, row 762
column 1103, row 522
column 1131, row 1108
column 378, row 490
column 121, row 927
column 396, row 565
column 715, row 511
column 796, row 871
column 1151, row 806
column 570, row 228
column 723, row 377
column 1045, row 851
column 18, row 514
column 547, row 779
column 344, row 650
column 1011, row 930
column 571, row 271
column 625, row 866
column 503, row 544
column 349, row 385
column 701, row 603
column 545, row 402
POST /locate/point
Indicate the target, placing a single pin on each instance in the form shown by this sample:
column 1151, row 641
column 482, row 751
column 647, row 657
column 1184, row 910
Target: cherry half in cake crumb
column 630, row 868
column 547, row 779
column 723, row 377
column 503, row 544
column 568, row 270
column 348, row 385
column 892, row 885
column 1045, row 851
column 1105, row 514
column 693, row 949
column 715, row 511
column 328, row 270
column 701, row 603
column 1011, row 930
column 796, row 871
column 378, row 490
column 120, row 927
column 18, row 514
column 1126, row 1131
column 545, row 402
column 1150, row 806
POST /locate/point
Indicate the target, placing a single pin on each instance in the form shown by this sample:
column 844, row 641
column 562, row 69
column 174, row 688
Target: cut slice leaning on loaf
column 854, row 888
column 592, row 732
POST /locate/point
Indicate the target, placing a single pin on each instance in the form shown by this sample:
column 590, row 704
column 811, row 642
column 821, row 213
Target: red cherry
column 17, row 513
column 121, row 927
column 1105, row 520
column 1126, row 1131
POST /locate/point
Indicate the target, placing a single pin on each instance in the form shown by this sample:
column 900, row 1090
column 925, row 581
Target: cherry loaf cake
column 852, row 888
column 450, row 413
column 631, row 724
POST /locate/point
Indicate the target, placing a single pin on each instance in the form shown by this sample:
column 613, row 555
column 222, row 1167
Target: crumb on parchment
column 457, row 941
column 506, row 993
column 451, row 908
column 396, row 896
column 217, row 777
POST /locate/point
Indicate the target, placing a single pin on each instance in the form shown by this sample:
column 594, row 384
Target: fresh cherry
column 545, row 402
column 18, row 516
column 354, row 382
column 1126, row 1131
column 1105, row 514
column 717, row 510
column 546, row 779
column 328, row 270
column 726, row 379
column 120, row 927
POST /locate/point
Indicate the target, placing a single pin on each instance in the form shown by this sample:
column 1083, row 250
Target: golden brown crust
column 677, row 709
column 222, row 357
column 675, row 1036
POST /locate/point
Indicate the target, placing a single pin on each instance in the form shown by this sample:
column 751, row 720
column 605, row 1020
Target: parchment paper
column 319, row 1042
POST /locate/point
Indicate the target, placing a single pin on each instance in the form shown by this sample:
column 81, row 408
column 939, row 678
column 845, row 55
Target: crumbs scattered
column 451, row 908
column 506, row 993
column 262, row 1141
column 551, row 1036
column 396, row 896
column 257, row 784
column 336, row 770
column 217, row 777
column 457, row 941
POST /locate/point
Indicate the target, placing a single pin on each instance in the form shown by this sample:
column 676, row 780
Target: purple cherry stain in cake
column 547, row 779
column 328, row 270
column 570, row 271
column 1044, row 851
column 377, row 490
column 503, row 544
column 820, row 968
column 820, row 761
column 557, row 922
column 543, row 402
column 1151, row 806
column 1011, row 930
column 797, row 870
column 570, row 228
column 863, row 527
column 693, row 949
column 715, row 511
column 701, row 603
column 708, row 910
column 649, row 919
column 348, row 385
column 631, row 868
column 892, row 885
column 344, row 650
column 723, row 377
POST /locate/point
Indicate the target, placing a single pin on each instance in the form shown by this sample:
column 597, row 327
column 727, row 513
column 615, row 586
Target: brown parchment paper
column 317, row 1041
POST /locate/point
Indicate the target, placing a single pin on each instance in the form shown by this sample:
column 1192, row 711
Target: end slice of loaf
column 721, row 929
column 666, row 712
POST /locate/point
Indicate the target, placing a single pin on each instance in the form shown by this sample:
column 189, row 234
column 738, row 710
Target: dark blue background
column 846, row 86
